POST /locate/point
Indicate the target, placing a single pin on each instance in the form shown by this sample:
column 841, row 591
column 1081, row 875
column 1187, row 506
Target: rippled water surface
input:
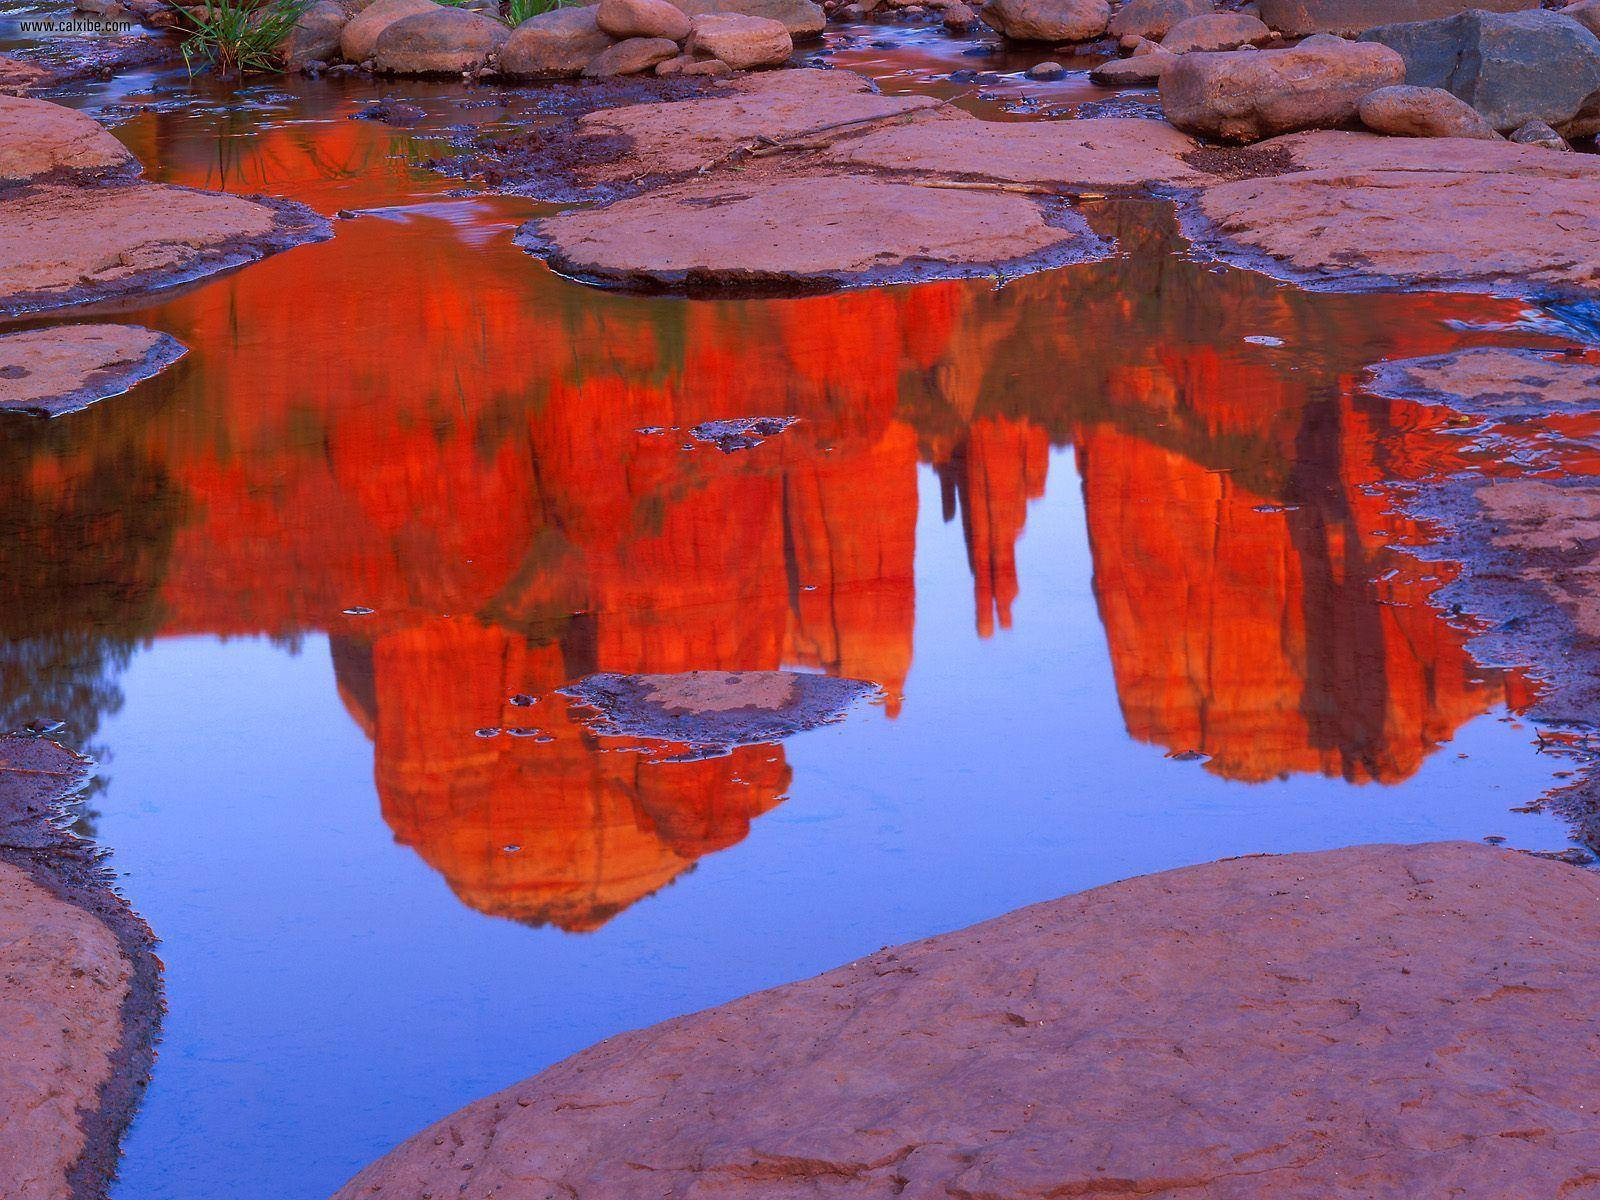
column 1116, row 542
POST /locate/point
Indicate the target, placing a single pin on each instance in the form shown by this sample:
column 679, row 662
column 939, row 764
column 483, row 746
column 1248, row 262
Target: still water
column 1116, row 542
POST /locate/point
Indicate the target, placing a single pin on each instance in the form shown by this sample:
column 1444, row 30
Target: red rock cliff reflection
column 451, row 438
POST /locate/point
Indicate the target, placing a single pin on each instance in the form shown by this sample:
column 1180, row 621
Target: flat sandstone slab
column 64, row 368
column 72, row 245
column 806, row 233
column 1104, row 152
column 716, row 708
column 1395, row 1021
column 1439, row 212
column 1493, row 381
column 679, row 136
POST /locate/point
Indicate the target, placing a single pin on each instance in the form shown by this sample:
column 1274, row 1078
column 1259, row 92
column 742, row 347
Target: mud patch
column 712, row 711
column 1242, row 162
column 39, row 781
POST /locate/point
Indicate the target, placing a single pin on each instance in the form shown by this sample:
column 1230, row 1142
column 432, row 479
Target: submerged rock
column 806, row 233
column 717, row 709
column 71, row 245
column 1511, row 67
column 43, row 140
column 1407, row 111
column 554, row 45
column 449, row 41
column 63, row 368
column 1048, row 20
column 1365, row 1022
column 740, row 433
column 1246, row 96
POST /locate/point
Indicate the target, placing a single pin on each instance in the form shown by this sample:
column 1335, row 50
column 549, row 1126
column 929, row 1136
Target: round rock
column 1378, row 1021
column 1048, row 20
column 642, row 19
column 740, row 41
column 1214, row 31
column 1406, row 111
column 630, row 57
column 807, row 233
column 447, row 41
column 359, row 37
column 554, row 45
column 62, row 368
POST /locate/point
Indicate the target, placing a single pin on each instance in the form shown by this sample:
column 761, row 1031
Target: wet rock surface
column 1420, row 211
column 740, row 433
column 40, row 140
column 64, row 368
column 810, row 233
column 67, row 245
column 78, row 989
column 1378, row 1020
column 715, row 710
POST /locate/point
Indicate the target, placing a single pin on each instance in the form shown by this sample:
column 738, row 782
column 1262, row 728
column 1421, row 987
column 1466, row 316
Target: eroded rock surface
column 806, row 233
column 1436, row 211
column 77, row 991
column 716, row 709
column 64, row 368
column 68, row 245
column 1373, row 1021
column 43, row 140
column 1097, row 152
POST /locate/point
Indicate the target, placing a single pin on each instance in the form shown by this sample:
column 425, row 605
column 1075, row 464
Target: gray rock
column 554, row 45
column 1297, row 17
column 1537, row 133
column 630, row 56
column 1511, row 67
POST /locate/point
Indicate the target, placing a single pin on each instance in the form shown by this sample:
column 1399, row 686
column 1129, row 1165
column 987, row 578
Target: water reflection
column 418, row 420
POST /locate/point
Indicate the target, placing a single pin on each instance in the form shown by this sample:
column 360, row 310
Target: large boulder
column 316, row 35
column 1048, row 20
column 448, row 41
column 801, row 18
column 1244, row 96
column 359, row 38
column 40, row 139
column 1511, row 67
column 1299, row 17
column 1214, row 31
column 1152, row 18
column 741, row 42
column 1409, row 111
column 63, row 368
column 554, row 45
column 642, row 19
column 630, row 57
column 1586, row 13
column 1379, row 1021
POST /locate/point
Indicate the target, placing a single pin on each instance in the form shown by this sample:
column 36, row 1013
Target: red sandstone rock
column 447, row 41
column 1244, row 96
column 1048, row 20
column 38, row 138
column 63, row 368
column 1152, row 18
column 1421, row 112
column 1214, row 31
column 740, row 41
column 805, row 232
column 1376, row 1021
column 642, row 19
column 1434, row 210
column 552, row 45
column 1299, row 17
column 359, row 38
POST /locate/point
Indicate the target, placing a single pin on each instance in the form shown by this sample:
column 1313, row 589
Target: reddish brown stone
column 1376, row 1021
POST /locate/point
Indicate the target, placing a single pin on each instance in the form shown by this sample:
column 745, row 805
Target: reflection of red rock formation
column 556, row 830
column 416, row 418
